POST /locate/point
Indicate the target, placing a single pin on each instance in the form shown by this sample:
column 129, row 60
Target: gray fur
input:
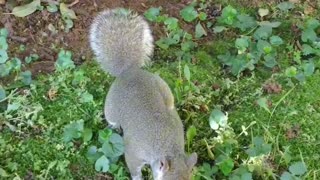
column 138, row 101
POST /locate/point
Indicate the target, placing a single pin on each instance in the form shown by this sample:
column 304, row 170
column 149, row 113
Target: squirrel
column 139, row 102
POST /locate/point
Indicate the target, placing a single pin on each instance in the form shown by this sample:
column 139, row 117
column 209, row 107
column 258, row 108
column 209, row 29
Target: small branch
column 73, row 3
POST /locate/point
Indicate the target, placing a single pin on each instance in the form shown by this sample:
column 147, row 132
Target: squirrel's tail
column 120, row 39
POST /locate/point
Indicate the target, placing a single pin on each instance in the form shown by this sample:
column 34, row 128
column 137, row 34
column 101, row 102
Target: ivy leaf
column 104, row 135
column 285, row 6
column 186, row 72
column 102, row 164
column 26, row 77
column 3, row 43
column 228, row 15
column 15, row 63
column 308, row 68
column 226, row 166
column 307, row 49
column 264, row 46
column 245, row 22
column 87, row 134
column 276, row 40
column 2, row 93
column 217, row 118
column 25, row 10
column 3, row 56
column 263, row 102
column 242, row 44
column 298, row 168
column 152, row 14
column 312, row 23
column 52, row 8
column 218, row 29
column 66, row 12
column 202, row 16
column 308, row 34
column 270, row 24
column 263, row 32
column 172, row 23
column 270, row 60
column 287, row 176
column 114, row 147
column 64, row 60
column 200, row 31
column 263, row 12
column 291, row 71
column 189, row 13
column 86, row 97
column 4, row 32
column 73, row 131
column 93, row 154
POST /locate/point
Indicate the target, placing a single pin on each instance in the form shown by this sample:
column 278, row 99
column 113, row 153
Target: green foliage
column 258, row 148
column 64, row 61
column 27, row 9
column 296, row 170
column 218, row 119
column 152, row 14
column 188, row 13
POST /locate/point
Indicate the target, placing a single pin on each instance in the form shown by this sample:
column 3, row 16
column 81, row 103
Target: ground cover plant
column 245, row 76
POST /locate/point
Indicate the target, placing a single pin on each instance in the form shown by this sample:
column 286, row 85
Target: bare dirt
column 34, row 33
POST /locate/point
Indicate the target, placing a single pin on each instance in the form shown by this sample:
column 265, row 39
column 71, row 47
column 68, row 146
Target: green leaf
column 87, row 134
column 152, row 13
column 114, row 147
column 104, row 135
column 285, row 6
column 66, row 12
column 202, row 16
column 217, row 118
column 2, row 94
column 245, row 22
column 298, row 168
column 259, row 147
column 218, row 29
column 25, row 10
column 3, row 173
column 189, row 13
column 26, row 77
column 191, row 133
column 270, row 24
column 86, row 97
column 276, row 40
column 4, row 32
column 263, row 12
column 287, row 176
column 291, row 71
column 93, row 154
column 308, row 34
column 3, row 43
column 263, row 102
column 264, row 46
column 172, row 23
column 31, row 58
column 64, row 60
column 73, row 131
column 312, row 23
column 187, row 46
column 307, row 49
column 308, row 68
column 270, row 60
column 186, row 72
column 242, row 44
column 200, row 31
column 15, row 63
column 263, row 32
column 52, row 8
column 102, row 164
column 228, row 15
column 226, row 166
column 3, row 56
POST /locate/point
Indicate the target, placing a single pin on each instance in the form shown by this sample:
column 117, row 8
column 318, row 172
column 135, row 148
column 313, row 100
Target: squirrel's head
column 174, row 168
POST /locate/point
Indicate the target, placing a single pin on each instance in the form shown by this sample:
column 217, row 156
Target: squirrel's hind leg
column 134, row 164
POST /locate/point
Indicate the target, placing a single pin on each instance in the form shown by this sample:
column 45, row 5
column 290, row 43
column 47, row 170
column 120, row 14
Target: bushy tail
column 120, row 39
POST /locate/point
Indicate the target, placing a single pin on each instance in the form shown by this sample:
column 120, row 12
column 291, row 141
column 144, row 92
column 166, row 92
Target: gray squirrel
column 139, row 102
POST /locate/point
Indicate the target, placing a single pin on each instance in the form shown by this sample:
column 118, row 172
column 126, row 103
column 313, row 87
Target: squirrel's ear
column 164, row 164
column 192, row 160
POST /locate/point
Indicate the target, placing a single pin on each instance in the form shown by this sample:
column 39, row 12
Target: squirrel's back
column 120, row 39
